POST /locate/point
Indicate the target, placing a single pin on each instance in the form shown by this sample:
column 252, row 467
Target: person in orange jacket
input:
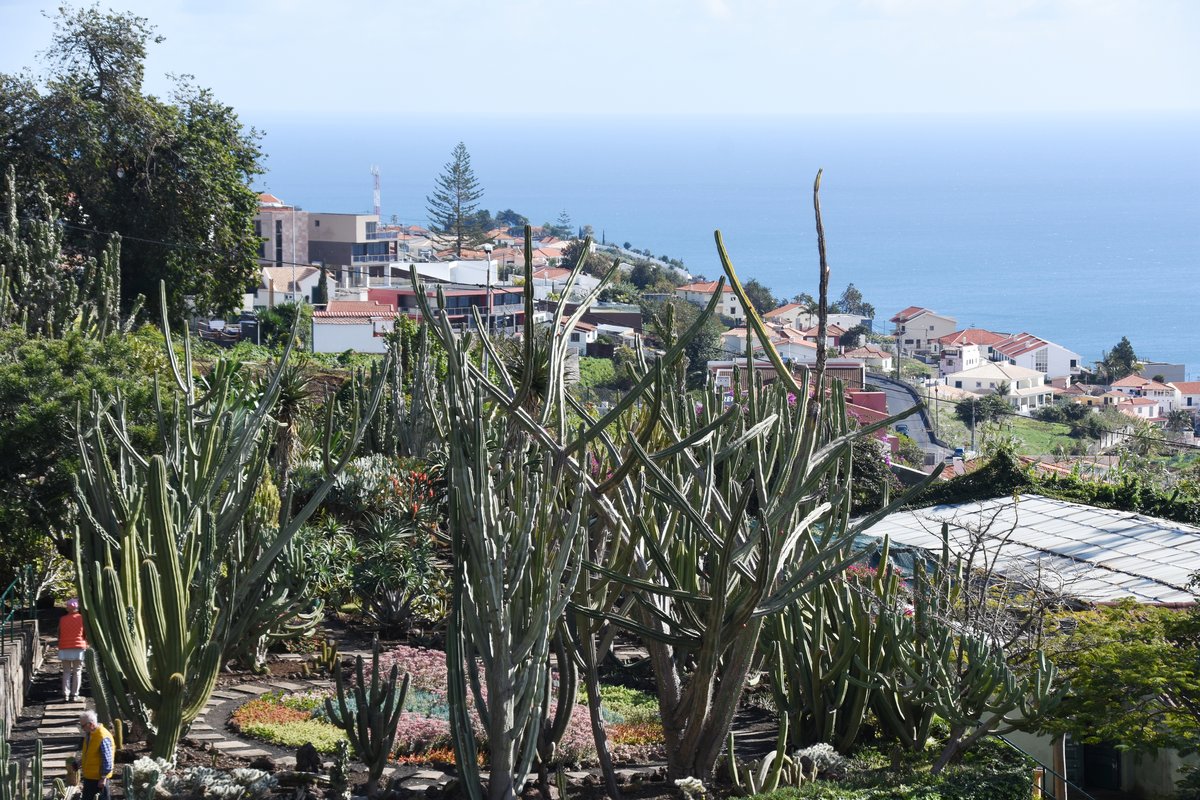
column 72, row 644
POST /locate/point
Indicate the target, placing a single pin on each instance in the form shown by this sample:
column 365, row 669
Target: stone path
column 57, row 724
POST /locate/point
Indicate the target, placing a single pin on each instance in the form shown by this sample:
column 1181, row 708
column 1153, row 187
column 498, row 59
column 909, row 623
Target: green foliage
column 1005, row 475
column 1134, row 672
column 595, row 264
column 454, row 200
column 398, row 576
column 596, row 372
column 851, row 302
column 980, row 409
column 42, row 382
column 171, row 177
column 276, row 324
column 874, row 482
column 674, row 316
column 652, row 278
column 760, row 296
column 1118, row 363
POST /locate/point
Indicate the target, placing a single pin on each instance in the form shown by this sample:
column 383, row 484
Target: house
column 918, row 329
column 1188, row 395
column 290, row 284
column 349, row 325
column 788, row 342
column 874, row 357
column 552, row 282
column 852, row 374
column 797, row 316
column 282, row 231
column 701, row 293
column 507, row 307
column 582, row 335
column 1026, row 388
column 1143, row 408
column 833, row 334
column 1054, row 361
column 965, row 349
column 1167, row 395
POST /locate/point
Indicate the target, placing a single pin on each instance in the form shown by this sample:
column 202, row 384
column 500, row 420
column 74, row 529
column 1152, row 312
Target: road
column 899, row 399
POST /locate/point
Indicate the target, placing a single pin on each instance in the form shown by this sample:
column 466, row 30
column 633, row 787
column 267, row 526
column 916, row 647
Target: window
column 958, row 384
column 316, row 223
column 1074, row 363
column 279, row 243
column 262, row 243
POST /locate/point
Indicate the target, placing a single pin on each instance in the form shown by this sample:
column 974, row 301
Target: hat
column 73, row 604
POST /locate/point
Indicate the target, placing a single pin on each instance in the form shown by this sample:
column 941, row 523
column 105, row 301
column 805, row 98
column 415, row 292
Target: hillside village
column 366, row 265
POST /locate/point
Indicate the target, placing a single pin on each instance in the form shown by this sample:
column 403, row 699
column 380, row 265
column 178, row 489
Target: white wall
column 339, row 338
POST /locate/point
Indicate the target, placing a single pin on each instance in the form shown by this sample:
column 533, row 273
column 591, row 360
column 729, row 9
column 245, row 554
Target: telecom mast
column 375, row 173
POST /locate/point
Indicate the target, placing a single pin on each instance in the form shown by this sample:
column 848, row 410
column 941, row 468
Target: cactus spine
column 370, row 717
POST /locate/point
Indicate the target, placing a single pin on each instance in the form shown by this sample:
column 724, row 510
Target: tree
column 760, row 296
column 1118, row 363
column 856, row 336
column 593, row 264
column 851, row 302
column 511, row 219
column 979, row 410
column 172, row 177
column 454, row 201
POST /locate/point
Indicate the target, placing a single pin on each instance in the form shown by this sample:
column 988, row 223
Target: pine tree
column 455, row 198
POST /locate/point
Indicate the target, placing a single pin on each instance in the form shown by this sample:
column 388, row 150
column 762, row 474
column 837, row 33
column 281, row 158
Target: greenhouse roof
column 1094, row 554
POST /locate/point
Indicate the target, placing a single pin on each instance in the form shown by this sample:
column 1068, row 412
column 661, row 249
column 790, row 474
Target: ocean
column 1079, row 230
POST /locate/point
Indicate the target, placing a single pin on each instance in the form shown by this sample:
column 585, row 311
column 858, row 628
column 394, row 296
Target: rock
column 434, row 792
column 590, row 780
column 265, row 763
column 308, row 759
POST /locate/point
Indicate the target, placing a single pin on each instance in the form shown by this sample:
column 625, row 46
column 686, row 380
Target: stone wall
column 20, row 658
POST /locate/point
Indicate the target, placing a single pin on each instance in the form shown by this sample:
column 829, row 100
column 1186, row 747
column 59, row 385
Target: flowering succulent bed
column 423, row 732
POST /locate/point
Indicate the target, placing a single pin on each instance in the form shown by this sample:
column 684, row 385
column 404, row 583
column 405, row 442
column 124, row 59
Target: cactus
column 370, row 716
column 339, row 775
column 328, row 656
column 118, row 733
column 705, row 523
column 142, row 778
column 169, row 577
column 20, row 780
column 825, row 652
column 960, row 672
column 38, row 294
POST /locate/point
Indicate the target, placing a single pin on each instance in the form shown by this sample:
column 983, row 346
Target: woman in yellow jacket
column 96, row 762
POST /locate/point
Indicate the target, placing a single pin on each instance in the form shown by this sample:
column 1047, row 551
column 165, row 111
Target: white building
column 1054, row 361
column 918, row 329
column 350, row 325
column 701, row 293
column 1166, row 395
column 1026, row 388
column 286, row 285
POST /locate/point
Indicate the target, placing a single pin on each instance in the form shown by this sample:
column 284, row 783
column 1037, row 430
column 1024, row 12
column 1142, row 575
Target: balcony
column 382, row 235
column 376, row 258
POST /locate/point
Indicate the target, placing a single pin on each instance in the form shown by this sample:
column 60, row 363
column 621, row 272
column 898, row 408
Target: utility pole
column 972, row 424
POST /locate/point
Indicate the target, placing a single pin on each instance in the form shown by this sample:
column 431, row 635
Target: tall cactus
column 160, row 556
column 41, row 291
column 706, row 523
column 16, row 783
column 369, row 713
column 826, row 652
column 957, row 669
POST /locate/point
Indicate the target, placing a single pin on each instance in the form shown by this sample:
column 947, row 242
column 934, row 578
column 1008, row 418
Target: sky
column 639, row 57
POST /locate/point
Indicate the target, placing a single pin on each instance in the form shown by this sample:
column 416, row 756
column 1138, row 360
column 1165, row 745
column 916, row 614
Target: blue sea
column 1080, row 230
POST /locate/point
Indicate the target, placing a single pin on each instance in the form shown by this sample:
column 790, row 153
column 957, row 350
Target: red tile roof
column 971, row 336
column 350, row 306
column 1187, row 387
column 1132, row 382
column 909, row 313
column 703, row 287
column 783, row 309
column 1019, row 344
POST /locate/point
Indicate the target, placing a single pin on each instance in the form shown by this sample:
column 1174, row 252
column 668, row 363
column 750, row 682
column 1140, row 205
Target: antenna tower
column 375, row 174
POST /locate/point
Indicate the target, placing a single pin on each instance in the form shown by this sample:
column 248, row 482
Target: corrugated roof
column 1094, row 554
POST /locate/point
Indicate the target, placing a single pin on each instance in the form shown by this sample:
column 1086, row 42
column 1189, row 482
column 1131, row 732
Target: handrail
column 1073, row 790
column 15, row 600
